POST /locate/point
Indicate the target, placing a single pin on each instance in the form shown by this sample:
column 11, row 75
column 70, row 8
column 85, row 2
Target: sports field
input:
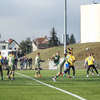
column 26, row 88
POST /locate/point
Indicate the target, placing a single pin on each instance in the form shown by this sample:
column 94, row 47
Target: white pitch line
column 51, row 86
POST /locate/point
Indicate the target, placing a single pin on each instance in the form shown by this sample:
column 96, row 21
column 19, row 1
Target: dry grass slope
column 79, row 51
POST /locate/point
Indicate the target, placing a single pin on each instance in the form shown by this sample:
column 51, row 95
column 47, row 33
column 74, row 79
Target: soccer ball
column 86, row 49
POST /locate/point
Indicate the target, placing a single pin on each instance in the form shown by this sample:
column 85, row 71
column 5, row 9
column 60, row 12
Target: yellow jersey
column 70, row 60
column 89, row 60
column 0, row 60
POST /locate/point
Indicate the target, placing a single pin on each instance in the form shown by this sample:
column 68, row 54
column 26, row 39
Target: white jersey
column 10, row 63
column 37, row 60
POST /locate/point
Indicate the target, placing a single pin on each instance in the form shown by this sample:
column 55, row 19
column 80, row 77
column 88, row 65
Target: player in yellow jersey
column 90, row 61
column 70, row 60
column 1, row 70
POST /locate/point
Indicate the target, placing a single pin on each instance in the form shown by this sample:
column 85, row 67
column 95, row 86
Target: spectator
column 30, row 63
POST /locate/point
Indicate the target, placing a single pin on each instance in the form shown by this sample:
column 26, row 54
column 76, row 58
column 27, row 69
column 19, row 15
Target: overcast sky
column 20, row 19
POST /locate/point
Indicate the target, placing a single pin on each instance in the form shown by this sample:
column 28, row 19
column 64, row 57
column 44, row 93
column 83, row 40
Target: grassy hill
column 79, row 51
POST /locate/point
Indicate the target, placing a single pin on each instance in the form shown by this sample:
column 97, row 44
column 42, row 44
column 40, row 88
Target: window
column 3, row 47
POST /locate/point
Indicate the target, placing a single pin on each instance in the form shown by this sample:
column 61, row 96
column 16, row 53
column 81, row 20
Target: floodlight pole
column 65, row 24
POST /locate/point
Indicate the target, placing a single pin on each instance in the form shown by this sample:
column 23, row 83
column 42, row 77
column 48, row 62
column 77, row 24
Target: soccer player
column 90, row 61
column 56, row 58
column 68, row 50
column 37, row 65
column 66, row 67
column 70, row 60
column 1, row 62
column 11, row 64
column 59, row 66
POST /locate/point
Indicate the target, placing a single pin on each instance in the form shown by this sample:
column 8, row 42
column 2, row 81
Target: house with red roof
column 13, row 45
column 40, row 43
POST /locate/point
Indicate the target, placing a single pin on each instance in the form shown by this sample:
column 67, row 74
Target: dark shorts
column 13, row 68
column 91, row 66
column 0, row 68
column 38, row 68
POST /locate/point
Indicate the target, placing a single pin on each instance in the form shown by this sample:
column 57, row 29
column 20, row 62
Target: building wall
column 14, row 46
column 34, row 46
column 90, row 23
column 4, row 48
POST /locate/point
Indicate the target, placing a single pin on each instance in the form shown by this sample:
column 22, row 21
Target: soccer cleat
column 12, row 79
column 87, row 76
column 54, row 80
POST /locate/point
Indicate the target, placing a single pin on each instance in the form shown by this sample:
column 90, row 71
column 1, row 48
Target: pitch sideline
column 51, row 86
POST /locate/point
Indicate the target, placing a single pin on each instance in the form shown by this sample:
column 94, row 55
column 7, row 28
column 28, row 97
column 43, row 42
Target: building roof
column 11, row 40
column 42, row 40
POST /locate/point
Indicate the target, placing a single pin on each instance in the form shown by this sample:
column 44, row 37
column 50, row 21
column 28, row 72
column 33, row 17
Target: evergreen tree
column 67, row 39
column 53, row 39
column 72, row 39
column 26, row 46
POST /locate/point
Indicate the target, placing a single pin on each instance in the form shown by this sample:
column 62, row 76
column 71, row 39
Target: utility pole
column 65, row 24
column 0, row 35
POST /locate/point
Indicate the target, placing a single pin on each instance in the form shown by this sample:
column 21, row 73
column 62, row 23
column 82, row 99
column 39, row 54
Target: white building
column 4, row 48
column 34, row 46
column 7, row 46
column 13, row 45
column 90, row 23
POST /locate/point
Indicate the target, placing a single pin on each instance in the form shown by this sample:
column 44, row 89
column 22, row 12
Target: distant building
column 7, row 46
column 13, row 45
column 40, row 43
column 90, row 23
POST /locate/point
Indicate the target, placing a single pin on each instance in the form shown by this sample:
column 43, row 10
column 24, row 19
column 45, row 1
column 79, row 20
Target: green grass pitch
column 26, row 89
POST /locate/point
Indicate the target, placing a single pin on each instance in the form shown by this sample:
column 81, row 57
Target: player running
column 37, row 65
column 1, row 63
column 90, row 61
column 59, row 66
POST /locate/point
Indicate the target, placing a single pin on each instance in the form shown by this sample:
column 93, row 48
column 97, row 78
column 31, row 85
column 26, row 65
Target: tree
column 67, row 39
column 26, row 46
column 53, row 39
column 72, row 39
column 22, row 47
